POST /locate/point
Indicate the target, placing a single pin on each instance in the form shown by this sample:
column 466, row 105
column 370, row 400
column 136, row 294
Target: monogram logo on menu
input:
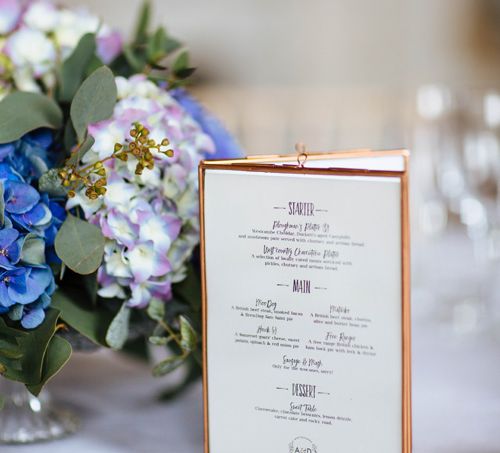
column 302, row 445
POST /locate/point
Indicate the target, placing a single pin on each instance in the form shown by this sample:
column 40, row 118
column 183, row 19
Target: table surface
column 456, row 385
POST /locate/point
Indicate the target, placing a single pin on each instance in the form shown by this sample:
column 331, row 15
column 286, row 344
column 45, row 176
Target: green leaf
column 181, row 62
column 94, row 101
column 171, row 45
column 189, row 290
column 33, row 251
column 168, row 365
column 142, row 27
column 159, row 341
column 57, row 355
column 74, row 67
column 189, row 337
column 92, row 323
column 137, row 62
column 118, row 330
column 22, row 112
column 50, row 182
column 156, row 309
column 155, row 44
column 76, row 156
column 80, row 245
column 35, row 346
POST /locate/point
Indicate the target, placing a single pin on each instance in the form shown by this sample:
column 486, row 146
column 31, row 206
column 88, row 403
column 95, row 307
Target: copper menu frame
column 287, row 163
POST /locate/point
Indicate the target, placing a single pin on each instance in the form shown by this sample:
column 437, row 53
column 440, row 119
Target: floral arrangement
column 99, row 148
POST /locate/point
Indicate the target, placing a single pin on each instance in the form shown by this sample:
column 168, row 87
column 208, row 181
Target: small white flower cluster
column 151, row 220
column 36, row 36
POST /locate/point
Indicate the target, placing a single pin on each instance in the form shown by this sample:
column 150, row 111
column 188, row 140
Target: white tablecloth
column 456, row 382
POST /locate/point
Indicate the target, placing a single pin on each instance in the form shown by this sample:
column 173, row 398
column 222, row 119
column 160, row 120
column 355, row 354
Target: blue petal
column 39, row 215
column 7, row 237
column 7, row 173
column 6, row 149
column 5, row 300
column 41, row 137
column 33, row 318
column 19, row 197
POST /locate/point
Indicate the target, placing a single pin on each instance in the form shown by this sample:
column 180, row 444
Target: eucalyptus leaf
column 94, row 101
column 189, row 338
column 50, row 183
column 168, row 365
column 69, row 137
column 22, row 112
column 33, row 250
column 77, row 155
column 119, row 328
column 159, row 341
column 156, row 309
column 74, row 67
column 80, row 245
column 91, row 322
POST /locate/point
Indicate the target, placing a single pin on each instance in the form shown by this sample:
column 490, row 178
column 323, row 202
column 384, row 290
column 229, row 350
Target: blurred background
column 417, row 74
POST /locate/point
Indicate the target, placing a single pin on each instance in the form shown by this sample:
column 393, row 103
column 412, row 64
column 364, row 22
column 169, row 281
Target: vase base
column 27, row 419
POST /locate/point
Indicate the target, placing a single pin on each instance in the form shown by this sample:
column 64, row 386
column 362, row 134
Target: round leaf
column 22, row 112
column 94, row 101
column 80, row 245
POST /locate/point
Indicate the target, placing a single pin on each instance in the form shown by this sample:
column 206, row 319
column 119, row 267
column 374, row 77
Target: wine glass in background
column 456, row 173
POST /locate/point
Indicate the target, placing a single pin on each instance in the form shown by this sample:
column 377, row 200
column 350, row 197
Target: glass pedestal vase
column 27, row 419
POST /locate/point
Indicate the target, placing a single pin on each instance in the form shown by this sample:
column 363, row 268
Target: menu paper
column 304, row 305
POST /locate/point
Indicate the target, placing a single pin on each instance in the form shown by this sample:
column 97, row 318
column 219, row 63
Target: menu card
column 306, row 313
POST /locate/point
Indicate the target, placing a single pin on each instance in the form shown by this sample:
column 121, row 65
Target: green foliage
column 143, row 23
column 117, row 333
column 152, row 53
column 80, row 151
column 90, row 321
column 168, row 365
column 57, row 355
column 189, row 338
column 22, row 112
column 74, row 68
column 181, row 68
column 94, row 101
column 80, row 245
column 35, row 356
column 179, row 322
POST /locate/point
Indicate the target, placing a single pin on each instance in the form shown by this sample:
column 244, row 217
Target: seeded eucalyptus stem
column 94, row 175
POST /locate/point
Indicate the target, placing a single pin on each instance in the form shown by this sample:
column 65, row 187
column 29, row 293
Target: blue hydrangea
column 28, row 224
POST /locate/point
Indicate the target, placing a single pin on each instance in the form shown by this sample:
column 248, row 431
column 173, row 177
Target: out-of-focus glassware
column 26, row 419
column 456, row 175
